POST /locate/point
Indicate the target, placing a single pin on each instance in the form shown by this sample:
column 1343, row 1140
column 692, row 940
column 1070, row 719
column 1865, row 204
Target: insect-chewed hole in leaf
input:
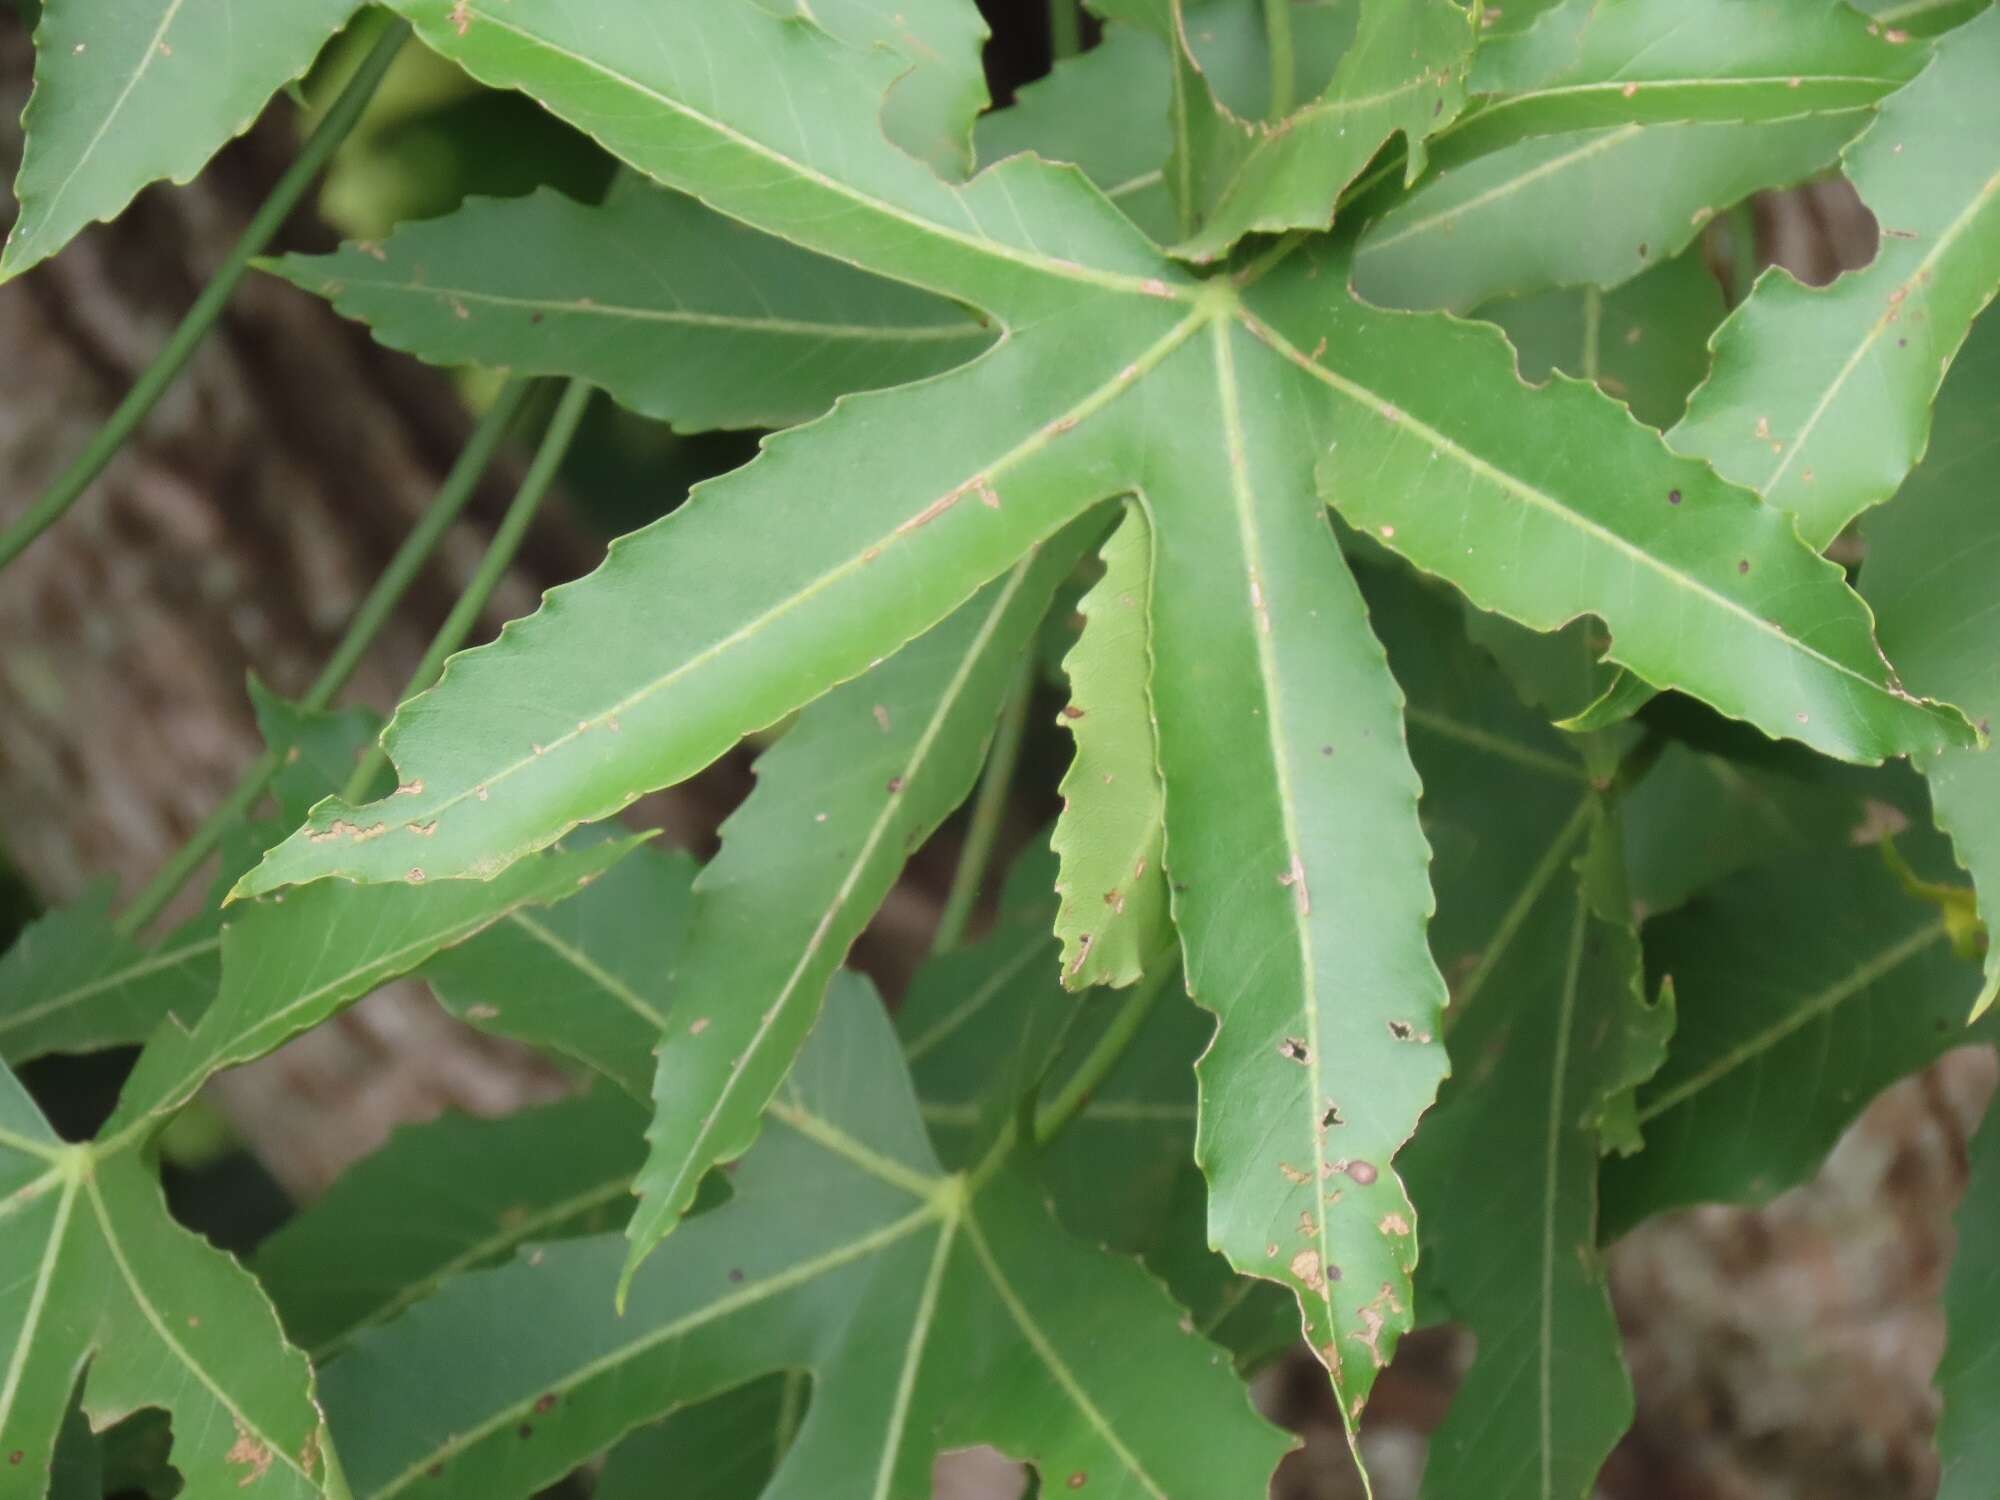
column 1294, row 1049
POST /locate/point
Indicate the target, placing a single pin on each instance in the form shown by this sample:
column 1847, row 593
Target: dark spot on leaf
column 1077, row 1480
column 1293, row 1048
column 525, row 1430
column 1673, row 497
column 16, row 1456
column 735, row 1273
column 534, row 317
column 1331, row 1118
column 1902, row 343
column 1362, row 1172
column 435, row 1471
column 895, row 783
column 1402, row 1031
column 1642, row 250
column 1743, row 566
column 1071, row 711
column 545, row 1404
column 1326, row 749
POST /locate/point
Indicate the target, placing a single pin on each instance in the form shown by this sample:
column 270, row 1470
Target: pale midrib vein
column 32, row 1316
column 913, row 1353
column 1894, row 309
column 151, row 964
column 747, row 1296
column 878, row 547
column 892, row 806
column 1243, row 501
column 1499, row 190
column 980, row 998
column 1509, row 928
column 1051, row 1359
column 117, row 108
column 166, row 1336
column 28, row 1145
column 1551, row 1178
column 892, row 333
column 823, row 1132
column 1499, row 745
column 590, row 969
column 485, row 1249
column 1794, row 85
column 1863, row 975
column 1046, row 265
column 1389, row 412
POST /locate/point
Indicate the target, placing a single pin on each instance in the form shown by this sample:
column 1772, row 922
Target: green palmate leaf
column 672, row 309
column 1671, row 559
column 385, row 1236
column 1587, row 63
column 1404, row 74
column 590, row 977
column 70, row 983
column 1820, row 398
column 1628, row 196
column 1645, row 342
column 1116, row 375
column 859, row 782
column 1106, row 111
column 1114, row 908
column 1905, row 18
column 1968, row 1441
column 1555, row 1030
column 142, row 91
column 316, row 751
column 723, row 1449
column 289, row 962
column 98, row 1275
column 931, row 1312
column 1929, row 575
column 1805, row 988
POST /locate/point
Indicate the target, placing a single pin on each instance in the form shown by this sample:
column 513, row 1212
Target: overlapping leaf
column 99, row 1275
column 1805, row 987
column 1820, row 398
column 932, row 1311
column 672, row 309
column 859, row 782
column 1929, row 575
column 1112, row 883
column 134, row 93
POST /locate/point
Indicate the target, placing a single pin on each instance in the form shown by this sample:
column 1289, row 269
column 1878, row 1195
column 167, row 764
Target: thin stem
column 492, row 567
column 1065, row 29
column 1054, row 1117
column 368, row 620
column 987, row 809
column 167, row 364
column 1278, row 36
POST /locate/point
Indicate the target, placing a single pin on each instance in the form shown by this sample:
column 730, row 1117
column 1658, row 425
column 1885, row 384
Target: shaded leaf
column 859, row 782
column 1113, row 916
column 983, row 1324
column 674, row 310
column 1820, row 398
column 723, row 1449
column 384, row 1236
column 141, row 92
column 1929, row 575
column 1805, row 987
column 589, row 977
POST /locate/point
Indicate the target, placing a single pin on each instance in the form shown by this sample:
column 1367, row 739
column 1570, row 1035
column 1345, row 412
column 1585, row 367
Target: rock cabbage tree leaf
column 71, row 983
column 675, row 311
column 1404, row 73
column 99, row 1275
column 385, row 1235
column 590, row 977
column 1820, row 398
column 1117, row 373
column 863, row 778
column 1113, row 916
column 932, row 1311
column 144, row 91
column 723, row 1449
column 1805, row 987
column 1968, row 1445
column 288, row 963
column 1629, row 196
column 1929, row 575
